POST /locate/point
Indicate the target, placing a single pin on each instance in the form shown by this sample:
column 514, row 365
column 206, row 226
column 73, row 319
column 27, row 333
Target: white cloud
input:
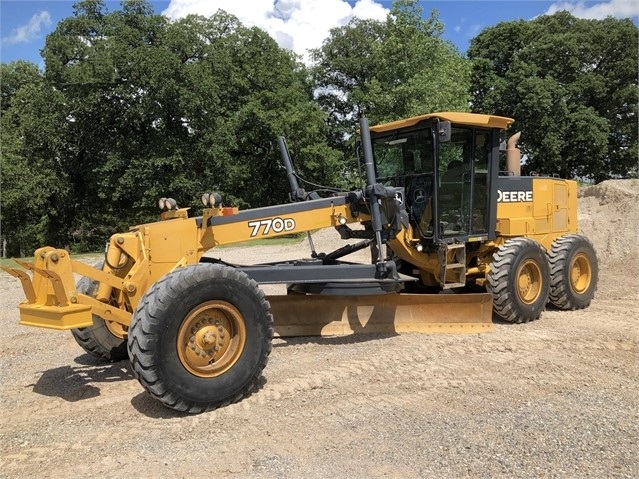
column 598, row 11
column 468, row 31
column 30, row 31
column 297, row 25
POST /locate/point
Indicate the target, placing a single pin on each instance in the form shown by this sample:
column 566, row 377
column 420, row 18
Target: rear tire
column 201, row 337
column 519, row 280
column 574, row 272
column 103, row 340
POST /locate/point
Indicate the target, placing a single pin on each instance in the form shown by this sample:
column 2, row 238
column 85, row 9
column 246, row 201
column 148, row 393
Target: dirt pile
column 609, row 216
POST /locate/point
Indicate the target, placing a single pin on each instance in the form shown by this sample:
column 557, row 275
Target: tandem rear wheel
column 573, row 272
column 201, row 337
column 519, row 280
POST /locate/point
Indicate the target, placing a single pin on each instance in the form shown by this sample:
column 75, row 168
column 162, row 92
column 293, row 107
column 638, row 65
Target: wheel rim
column 580, row 273
column 116, row 329
column 529, row 282
column 211, row 339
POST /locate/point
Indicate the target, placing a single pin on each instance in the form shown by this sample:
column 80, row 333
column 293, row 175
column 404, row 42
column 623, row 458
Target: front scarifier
column 201, row 337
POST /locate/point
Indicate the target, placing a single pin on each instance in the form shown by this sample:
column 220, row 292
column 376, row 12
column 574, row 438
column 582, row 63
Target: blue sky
column 24, row 24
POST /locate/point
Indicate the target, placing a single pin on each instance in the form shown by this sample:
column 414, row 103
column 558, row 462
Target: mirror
column 444, row 131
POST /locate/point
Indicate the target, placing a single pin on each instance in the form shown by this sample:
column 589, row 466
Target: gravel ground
column 554, row 398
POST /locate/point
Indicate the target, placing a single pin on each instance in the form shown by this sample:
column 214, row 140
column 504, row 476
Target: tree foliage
column 397, row 68
column 571, row 85
column 31, row 124
column 132, row 107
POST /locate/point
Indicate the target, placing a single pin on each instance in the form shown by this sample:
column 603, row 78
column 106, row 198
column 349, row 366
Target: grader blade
column 315, row 315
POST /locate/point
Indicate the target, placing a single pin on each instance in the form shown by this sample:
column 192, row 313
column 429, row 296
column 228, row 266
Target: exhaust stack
column 513, row 155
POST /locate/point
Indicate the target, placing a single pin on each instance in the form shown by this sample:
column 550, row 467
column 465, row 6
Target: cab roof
column 471, row 119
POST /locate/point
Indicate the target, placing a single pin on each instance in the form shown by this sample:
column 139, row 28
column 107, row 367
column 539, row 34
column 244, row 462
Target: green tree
column 137, row 107
column 571, row 85
column 397, row 68
column 33, row 195
column 94, row 59
column 14, row 76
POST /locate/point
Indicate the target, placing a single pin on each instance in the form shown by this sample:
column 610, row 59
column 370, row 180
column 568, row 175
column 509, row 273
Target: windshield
column 456, row 195
column 403, row 153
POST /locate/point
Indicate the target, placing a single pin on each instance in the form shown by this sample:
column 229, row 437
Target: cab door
column 463, row 182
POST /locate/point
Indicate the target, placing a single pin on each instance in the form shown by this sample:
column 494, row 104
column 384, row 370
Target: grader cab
column 436, row 212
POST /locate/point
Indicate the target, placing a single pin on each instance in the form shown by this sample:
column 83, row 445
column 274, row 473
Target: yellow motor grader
column 436, row 213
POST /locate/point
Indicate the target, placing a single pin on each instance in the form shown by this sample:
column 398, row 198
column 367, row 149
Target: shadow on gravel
column 332, row 340
column 75, row 383
column 154, row 409
column 499, row 320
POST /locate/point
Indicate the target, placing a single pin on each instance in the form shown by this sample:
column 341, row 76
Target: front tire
column 573, row 272
column 201, row 337
column 104, row 340
column 519, row 280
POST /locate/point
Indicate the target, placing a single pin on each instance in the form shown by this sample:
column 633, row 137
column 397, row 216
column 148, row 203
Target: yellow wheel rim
column 580, row 273
column 211, row 339
column 529, row 281
column 116, row 329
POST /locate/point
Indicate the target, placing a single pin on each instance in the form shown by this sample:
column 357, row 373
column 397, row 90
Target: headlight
column 166, row 204
column 211, row 199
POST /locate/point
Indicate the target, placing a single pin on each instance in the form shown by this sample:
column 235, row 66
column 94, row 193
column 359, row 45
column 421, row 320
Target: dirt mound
column 609, row 216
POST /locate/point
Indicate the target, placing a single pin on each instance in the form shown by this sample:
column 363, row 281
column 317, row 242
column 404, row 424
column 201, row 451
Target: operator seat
column 451, row 187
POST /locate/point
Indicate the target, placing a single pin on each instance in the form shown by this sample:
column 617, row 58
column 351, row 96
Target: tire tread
column 558, row 256
column 146, row 322
column 97, row 340
column 500, row 275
